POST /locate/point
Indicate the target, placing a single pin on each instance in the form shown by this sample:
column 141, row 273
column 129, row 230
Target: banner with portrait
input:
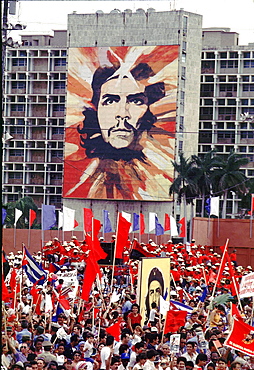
column 120, row 122
column 154, row 282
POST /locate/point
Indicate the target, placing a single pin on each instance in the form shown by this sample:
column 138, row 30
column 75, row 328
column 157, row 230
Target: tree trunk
column 224, row 207
column 185, row 215
column 203, row 203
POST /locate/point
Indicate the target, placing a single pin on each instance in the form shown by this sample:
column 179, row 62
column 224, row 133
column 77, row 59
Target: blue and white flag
column 204, row 294
column 34, row 272
column 135, row 222
column 181, row 306
column 107, row 228
column 4, row 214
column 159, row 230
column 48, row 217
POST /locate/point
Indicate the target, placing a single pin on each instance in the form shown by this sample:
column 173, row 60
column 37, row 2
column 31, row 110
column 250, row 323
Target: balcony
column 57, row 136
column 56, row 182
column 16, row 159
column 226, row 94
column 17, row 114
column 38, row 158
column 15, row 181
column 36, row 181
column 226, row 117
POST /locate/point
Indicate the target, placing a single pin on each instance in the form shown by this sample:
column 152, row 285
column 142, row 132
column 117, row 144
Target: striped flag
column 33, row 270
column 180, row 306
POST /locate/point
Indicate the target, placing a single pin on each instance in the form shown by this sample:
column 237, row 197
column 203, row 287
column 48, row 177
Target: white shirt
column 149, row 365
column 105, row 353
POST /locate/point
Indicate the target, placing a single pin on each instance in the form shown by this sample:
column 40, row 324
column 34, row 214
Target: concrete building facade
column 226, row 121
column 147, row 28
column 35, row 95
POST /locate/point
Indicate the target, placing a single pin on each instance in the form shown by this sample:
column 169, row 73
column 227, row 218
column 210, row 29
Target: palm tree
column 24, row 205
column 204, row 168
column 229, row 177
column 184, row 185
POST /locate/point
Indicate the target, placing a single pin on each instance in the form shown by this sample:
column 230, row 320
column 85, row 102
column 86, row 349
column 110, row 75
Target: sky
column 45, row 16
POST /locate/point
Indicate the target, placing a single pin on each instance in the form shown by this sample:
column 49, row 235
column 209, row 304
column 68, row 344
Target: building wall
column 227, row 92
column 34, row 110
column 151, row 28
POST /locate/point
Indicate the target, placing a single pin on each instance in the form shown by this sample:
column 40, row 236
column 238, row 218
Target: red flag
column 223, row 261
column 123, row 227
column 92, row 269
column 114, row 330
column 252, row 204
column 88, row 216
column 241, row 337
column 235, row 285
column 182, row 222
column 174, row 320
column 24, row 260
column 34, row 293
column 64, row 303
column 142, row 223
column 75, row 223
column 13, row 281
column 166, row 222
column 235, row 312
column 5, row 292
column 32, row 217
column 94, row 243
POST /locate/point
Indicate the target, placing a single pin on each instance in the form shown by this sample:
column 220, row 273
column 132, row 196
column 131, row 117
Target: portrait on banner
column 120, row 122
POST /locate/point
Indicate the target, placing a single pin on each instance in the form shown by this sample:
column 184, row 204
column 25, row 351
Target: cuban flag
column 34, row 272
column 180, row 306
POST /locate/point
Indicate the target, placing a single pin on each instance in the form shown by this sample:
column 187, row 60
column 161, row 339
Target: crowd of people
column 108, row 332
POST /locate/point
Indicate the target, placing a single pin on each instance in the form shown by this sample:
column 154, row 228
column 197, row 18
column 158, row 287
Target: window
column 210, row 55
column 246, row 54
column 185, row 24
column 248, row 64
column 59, row 85
column 251, row 149
column 18, row 85
column 58, row 108
column 12, row 197
column 183, row 72
column 20, row 144
column 16, row 152
column 222, row 78
column 251, row 101
column 184, row 46
column 17, row 107
column 221, row 101
column 231, row 101
column 22, row 53
column 232, row 78
column 60, row 62
column 62, row 76
column 182, row 95
column 244, row 101
column 15, row 175
column 17, row 130
column 245, row 78
column 20, row 121
column 208, row 78
column 223, row 55
column 243, row 149
column 207, row 125
column 62, row 99
column 21, row 99
column 63, row 53
column 19, row 62
column 233, row 55
column 180, row 148
column 57, row 154
column 58, row 130
column 208, row 102
column 229, row 64
column 21, row 76
column 183, row 57
column 248, row 87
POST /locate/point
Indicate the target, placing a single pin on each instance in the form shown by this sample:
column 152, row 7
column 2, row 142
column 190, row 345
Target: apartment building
column 226, row 119
column 33, row 119
column 35, row 96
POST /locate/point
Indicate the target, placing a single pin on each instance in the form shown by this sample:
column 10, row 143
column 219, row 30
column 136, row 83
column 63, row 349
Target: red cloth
column 241, row 338
column 114, row 330
column 166, row 222
column 142, row 224
column 123, row 228
column 174, row 320
column 182, row 222
column 5, row 292
column 88, row 215
column 135, row 319
column 32, row 217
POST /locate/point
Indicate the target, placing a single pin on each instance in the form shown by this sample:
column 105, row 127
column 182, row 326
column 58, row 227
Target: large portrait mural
column 120, row 124
column 155, row 282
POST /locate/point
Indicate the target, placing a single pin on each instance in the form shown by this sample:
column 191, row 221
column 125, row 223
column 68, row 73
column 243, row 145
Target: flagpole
column 251, row 219
column 14, row 242
column 29, row 231
column 223, row 256
column 42, row 227
column 103, row 229
column 114, row 259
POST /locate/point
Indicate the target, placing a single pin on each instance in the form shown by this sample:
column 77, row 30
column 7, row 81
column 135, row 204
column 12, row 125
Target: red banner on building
column 241, row 337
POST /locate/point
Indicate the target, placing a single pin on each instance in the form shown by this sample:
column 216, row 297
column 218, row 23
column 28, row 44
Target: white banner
column 69, row 277
column 247, row 286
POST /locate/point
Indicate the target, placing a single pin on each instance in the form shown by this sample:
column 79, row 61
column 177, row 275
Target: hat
column 8, row 328
column 26, row 337
column 125, row 356
column 18, row 364
column 56, row 238
column 46, row 343
column 40, row 329
column 154, row 329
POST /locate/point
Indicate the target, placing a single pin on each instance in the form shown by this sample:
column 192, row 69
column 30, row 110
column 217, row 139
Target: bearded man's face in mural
column 155, row 291
column 122, row 104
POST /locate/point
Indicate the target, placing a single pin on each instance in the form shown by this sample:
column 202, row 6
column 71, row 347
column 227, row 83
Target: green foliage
column 24, row 205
